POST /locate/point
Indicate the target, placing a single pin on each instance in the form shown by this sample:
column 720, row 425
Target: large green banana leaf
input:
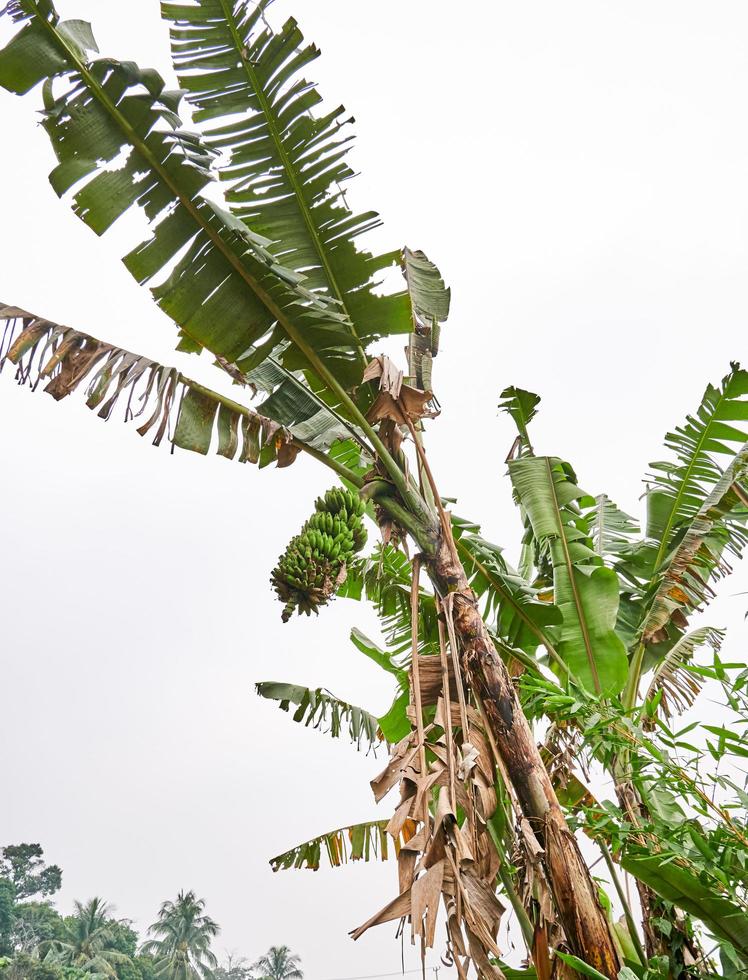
column 585, row 591
column 680, row 488
column 285, row 166
column 119, row 145
column 683, row 583
column 688, row 891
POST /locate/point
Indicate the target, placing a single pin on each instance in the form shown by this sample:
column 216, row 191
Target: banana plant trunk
column 583, row 919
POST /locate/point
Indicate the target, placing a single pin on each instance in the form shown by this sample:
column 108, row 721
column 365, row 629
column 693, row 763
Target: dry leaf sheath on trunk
column 584, row 921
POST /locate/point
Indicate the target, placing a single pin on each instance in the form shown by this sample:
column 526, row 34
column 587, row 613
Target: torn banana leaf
column 323, row 711
column 429, row 300
column 120, row 145
column 522, row 407
column 679, row 488
column 282, row 159
column 359, row 842
column 168, row 405
column 683, row 585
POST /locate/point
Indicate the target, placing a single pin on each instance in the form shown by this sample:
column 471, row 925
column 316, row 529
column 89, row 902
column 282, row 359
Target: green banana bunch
column 313, row 565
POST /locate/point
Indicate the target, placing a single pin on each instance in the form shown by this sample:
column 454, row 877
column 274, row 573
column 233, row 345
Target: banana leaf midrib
column 600, row 516
column 290, row 173
column 572, row 582
column 141, row 146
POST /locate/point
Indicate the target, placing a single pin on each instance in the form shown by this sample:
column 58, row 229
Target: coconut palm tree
column 86, row 942
column 279, row 963
column 183, row 936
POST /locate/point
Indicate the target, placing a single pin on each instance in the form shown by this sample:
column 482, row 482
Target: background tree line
column 37, row 942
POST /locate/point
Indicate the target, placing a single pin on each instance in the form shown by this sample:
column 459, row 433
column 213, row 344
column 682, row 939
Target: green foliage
column 585, row 591
column 363, row 841
column 320, row 709
column 522, row 407
column 7, row 903
column 23, row 865
column 89, row 940
column 147, row 967
column 34, row 924
column 315, row 562
column 672, row 878
column 279, row 963
column 122, row 937
column 26, row 967
column 183, row 935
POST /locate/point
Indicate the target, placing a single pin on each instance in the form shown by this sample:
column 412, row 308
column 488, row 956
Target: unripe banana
column 313, row 565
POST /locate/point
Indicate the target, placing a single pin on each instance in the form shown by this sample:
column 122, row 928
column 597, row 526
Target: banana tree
column 271, row 281
column 631, row 598
column 588, row 573
column 254, row 255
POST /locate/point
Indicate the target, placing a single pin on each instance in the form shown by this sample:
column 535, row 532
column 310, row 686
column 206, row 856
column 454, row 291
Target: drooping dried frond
column 447, row 790
column 171, row 407
column 321, row 710
column 360, row 842
column 672, row 676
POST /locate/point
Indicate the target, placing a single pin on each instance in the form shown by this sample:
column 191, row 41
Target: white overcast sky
column 578, row 171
